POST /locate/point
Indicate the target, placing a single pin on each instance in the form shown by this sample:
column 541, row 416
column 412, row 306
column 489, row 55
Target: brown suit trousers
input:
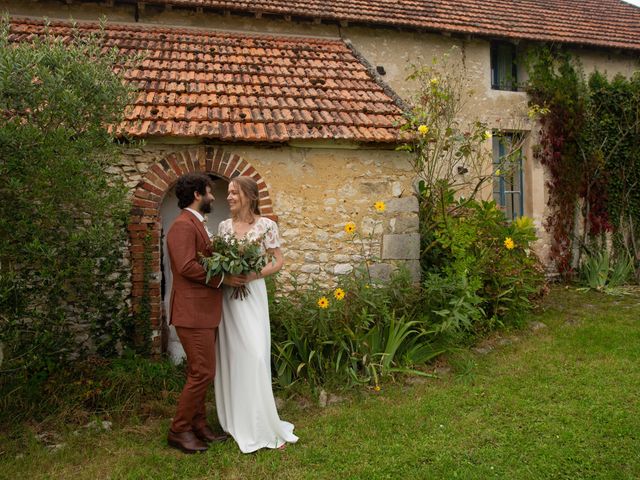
column 199, row 345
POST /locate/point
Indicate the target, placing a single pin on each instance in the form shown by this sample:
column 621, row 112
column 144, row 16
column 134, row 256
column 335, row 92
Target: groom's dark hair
column 190, row 183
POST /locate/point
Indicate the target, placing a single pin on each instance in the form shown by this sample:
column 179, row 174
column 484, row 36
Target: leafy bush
column 478, row 269
column 355, row 335
column 486, row 275
column 485, row 272
column 616, row 104
column 62, row 216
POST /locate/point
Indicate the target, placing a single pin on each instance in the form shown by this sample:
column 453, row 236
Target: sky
column 633, row 2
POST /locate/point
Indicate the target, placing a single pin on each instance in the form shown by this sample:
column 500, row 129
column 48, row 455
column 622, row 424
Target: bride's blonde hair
column 249, row 187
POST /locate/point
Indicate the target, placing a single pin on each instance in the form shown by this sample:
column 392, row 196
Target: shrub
column 589, row 145
column 62, row 216
column 486, row 273
column 478, row 269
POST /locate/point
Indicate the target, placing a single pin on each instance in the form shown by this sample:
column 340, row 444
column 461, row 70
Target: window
column 508, row 181
column 504, row 72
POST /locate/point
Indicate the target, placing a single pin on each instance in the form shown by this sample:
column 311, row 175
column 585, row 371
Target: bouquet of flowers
column 234, row 257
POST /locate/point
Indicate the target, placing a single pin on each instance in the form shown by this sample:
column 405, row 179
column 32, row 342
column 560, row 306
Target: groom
column 196, row 307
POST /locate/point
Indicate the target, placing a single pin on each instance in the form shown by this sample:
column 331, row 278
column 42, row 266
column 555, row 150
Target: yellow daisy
column 434, row 81
column 338, row 293
column 423, row 129
column 379, row 206
column 323, row 302
column 509, row 244
column 350, row 227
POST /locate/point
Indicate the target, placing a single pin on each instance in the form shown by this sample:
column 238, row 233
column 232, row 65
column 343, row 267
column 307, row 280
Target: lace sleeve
column 272, row 236
column 222, row 228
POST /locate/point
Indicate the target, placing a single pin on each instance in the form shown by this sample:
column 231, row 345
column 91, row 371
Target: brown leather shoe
column 186, row 442
column 206, row 434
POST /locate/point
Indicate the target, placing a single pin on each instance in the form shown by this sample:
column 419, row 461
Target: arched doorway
column 168, row 212
column 153, row 210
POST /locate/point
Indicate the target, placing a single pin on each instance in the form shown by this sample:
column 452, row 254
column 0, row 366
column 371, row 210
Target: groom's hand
column 235, row 280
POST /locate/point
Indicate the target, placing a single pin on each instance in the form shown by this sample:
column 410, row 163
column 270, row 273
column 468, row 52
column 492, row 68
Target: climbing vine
column 616, row 106
column 588, row 143
column 556, row 83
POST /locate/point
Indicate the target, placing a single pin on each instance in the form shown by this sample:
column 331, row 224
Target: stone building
column 306, row 97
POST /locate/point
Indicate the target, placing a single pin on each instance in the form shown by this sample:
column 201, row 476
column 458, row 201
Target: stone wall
column 312, row 191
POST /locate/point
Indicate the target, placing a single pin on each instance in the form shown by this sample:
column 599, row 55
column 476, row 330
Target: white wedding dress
column 244, row 397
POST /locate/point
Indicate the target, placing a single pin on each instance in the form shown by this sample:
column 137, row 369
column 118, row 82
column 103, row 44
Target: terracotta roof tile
column 239, row 87
column 608, row 23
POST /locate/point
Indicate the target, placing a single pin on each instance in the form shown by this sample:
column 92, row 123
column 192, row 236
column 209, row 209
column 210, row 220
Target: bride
column 244, row 398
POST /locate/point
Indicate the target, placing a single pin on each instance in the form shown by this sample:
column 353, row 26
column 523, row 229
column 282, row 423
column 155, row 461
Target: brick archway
column 145, row 224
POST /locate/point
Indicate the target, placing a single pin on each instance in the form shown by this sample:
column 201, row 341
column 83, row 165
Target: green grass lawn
column 557, row 402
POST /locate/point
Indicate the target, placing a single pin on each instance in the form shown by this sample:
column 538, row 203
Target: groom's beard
column 205, row 206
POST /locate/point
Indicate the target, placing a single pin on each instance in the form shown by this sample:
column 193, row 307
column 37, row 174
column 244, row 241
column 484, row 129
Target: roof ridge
column 597, row 19
column 184, row 30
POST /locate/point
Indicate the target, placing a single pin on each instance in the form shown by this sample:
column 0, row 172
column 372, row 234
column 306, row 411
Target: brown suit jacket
column 194, row 303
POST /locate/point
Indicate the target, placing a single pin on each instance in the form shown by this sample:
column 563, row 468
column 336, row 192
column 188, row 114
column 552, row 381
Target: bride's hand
column 235, row 280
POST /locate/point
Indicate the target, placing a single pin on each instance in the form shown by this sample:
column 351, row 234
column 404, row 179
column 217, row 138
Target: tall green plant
column 62, row 217
column 471, row 279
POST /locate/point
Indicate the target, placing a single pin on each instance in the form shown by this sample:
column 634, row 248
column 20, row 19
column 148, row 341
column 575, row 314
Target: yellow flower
column 379, row 206
column 377, row 388
column 323, row 302
column 487, row 135
column 338, row 293
column 423, row 129
column 350, row 227
column 434, row 81
column 509, row 244
column 498, row 172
